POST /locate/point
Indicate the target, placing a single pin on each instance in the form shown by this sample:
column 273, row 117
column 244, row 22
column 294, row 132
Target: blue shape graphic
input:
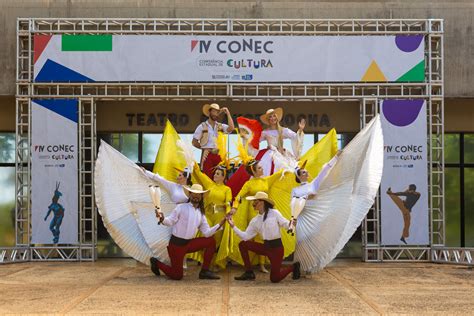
column 64, row 107
column 408, row 43
column 401, row 112
column 54, row 72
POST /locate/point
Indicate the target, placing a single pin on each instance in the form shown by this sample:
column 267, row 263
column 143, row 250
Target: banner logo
column 234, row 47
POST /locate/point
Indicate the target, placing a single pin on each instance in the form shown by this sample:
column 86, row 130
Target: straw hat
column 261, row 196
column 207, row 108
column 195, row 188
column 277, row 111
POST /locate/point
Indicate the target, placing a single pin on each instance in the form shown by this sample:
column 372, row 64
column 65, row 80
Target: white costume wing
column 122, row 197
column 342, row 201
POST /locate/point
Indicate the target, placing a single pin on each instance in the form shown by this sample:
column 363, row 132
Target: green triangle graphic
column 416, row 74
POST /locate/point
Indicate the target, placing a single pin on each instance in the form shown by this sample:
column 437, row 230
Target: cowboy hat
column 260, row 196
column 207, row 108
column 195, row 188
column 278, row 112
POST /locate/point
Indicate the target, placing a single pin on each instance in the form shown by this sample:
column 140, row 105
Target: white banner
column 404, row 187
column 187, row 58
column 54, row 190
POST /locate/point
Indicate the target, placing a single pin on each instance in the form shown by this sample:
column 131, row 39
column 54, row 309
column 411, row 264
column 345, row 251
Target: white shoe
column 263, row 269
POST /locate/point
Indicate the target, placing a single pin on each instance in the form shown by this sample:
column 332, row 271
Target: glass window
column 451, row 148
column 453, row 207
column 7, row 206
column 308, row 142
column 151, row 144
column 7, row 148
column 127, row 144
column 469, row 148
column 469, row 206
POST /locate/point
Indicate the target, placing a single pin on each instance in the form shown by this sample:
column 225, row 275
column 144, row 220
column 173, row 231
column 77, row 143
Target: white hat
column 195, row 188
column 260, row 196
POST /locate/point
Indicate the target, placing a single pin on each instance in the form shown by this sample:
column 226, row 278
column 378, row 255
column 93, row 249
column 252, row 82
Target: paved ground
column 126, row 287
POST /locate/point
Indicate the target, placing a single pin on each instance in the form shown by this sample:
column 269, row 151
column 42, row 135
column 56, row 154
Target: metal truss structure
column 88, row 94
column 453, row 255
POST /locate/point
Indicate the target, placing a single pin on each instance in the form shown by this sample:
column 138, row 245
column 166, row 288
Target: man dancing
column 205, row 136
column 405, row 206
column 267, row 223
column 186, row 219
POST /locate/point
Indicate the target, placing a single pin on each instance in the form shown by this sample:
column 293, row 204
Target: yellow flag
column 167, row 158
column 320, row 153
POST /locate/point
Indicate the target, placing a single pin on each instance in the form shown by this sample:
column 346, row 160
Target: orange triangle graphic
column 39, row 44
column 373, row 73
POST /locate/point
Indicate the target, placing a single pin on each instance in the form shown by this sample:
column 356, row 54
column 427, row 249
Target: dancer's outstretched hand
column 232, row 211
column 230, row 221
column 222, row 222
column 159, row 215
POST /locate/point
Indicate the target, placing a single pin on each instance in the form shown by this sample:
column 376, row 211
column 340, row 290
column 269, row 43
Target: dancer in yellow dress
column 217, row 203
column 242, row 210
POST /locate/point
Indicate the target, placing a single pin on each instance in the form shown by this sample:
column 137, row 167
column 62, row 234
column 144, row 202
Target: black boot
column 296, row 271
column 208, row 275
column 154, row 266
column 403, row 239
column 247, row 275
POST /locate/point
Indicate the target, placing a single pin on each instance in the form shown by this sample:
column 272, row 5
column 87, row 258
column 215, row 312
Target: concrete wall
column 458, row 15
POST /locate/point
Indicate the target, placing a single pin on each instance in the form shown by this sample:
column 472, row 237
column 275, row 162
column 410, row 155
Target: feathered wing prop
column 320, row 153
column 166, row 159
column 343, row 200
column 187, row 152
column 124, row 202
column 251, row 131
column 222, row 148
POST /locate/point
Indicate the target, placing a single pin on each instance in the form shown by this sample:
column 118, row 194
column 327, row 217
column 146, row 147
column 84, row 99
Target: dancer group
column 244, row 209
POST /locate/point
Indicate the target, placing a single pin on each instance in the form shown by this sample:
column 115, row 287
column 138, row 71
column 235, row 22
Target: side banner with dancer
column 404, row 187
column 54, row 169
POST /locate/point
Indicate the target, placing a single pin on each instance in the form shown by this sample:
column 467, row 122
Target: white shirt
column 212, row 132
column 306, row 189
column 186, row 220
column 175, row 190
column 271, row 135
column 268, row 229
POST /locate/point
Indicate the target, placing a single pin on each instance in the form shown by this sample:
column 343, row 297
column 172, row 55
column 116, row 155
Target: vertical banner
column 404, row 187
column 54, row 189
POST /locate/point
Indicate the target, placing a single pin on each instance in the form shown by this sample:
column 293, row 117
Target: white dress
column 271, row 136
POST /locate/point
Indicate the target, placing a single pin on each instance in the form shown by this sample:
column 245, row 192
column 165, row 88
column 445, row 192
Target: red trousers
column 177, row 253
column 209, row 162
column 274, row 254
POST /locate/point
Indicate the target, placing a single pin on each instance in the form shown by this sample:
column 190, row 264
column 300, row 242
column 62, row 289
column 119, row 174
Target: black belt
column 179, row 241
column 274, row 243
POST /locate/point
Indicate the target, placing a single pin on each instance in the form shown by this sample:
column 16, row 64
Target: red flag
column 252, row 128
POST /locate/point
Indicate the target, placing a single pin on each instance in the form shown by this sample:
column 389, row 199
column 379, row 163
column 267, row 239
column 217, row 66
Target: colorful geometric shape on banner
column 52, row 71
column 401, row 112
column 64, row 107
column 373, row 73
column 86, row 43
column 408, row 43
column 39, row 44
column 193, row 44
column 416, row 74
